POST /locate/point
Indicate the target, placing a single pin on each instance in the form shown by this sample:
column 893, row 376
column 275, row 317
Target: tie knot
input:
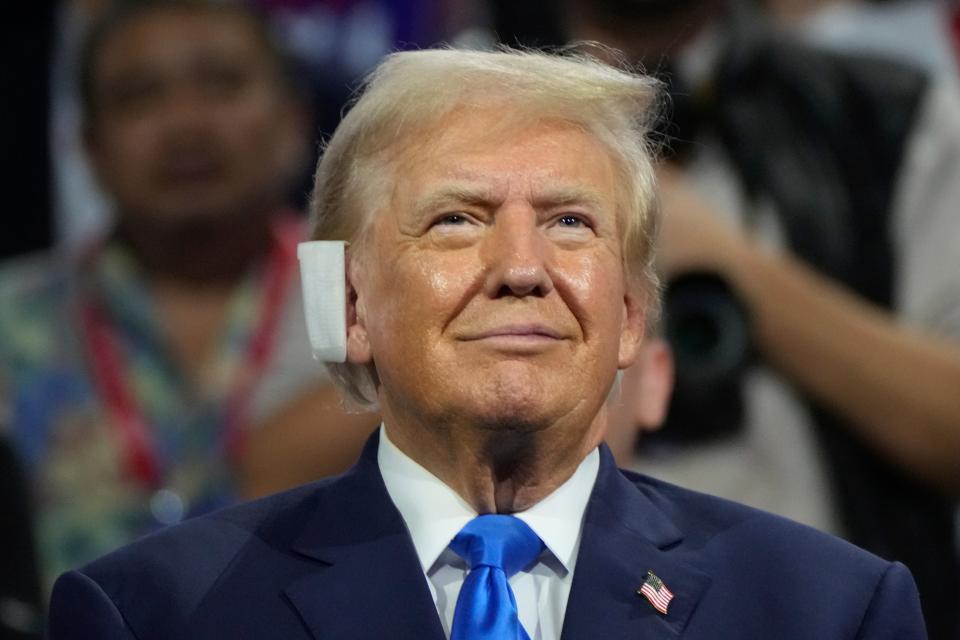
column 500, row 541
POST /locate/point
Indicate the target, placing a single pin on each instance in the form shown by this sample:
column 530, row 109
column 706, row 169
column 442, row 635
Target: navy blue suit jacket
column 333, row 560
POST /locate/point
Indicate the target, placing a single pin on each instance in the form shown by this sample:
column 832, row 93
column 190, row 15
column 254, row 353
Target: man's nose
column 185, row 112
column 517, row 256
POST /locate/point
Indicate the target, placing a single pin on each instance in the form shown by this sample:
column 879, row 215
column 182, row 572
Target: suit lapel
column 625, row 535
column 368, row 583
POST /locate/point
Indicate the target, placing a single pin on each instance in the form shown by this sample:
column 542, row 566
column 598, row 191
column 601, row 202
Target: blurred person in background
column 160, row 373
column 813, row 265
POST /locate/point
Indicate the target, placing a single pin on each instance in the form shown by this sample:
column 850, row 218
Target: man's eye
column 223, row 81
column 134, row 95
column 571, row 221
column 453, row 219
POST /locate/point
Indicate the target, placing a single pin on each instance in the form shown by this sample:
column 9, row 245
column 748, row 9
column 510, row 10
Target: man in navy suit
column 500, row 213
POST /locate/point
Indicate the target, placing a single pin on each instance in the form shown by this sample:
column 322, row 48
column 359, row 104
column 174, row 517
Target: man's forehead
column 496, row 122
column 460, row 158
column 469, row 160
column 174, row 34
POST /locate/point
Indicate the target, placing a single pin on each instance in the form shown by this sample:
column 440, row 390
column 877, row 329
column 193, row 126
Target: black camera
column 708, row 329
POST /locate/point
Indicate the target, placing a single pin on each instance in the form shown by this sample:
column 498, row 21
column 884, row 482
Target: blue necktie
column 495, row 547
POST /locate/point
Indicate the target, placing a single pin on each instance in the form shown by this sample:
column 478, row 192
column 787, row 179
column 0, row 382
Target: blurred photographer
column 810, row 205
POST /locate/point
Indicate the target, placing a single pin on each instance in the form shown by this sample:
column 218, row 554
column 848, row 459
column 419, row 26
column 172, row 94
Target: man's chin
column 504, row 422
column 518, row 413
column 187, row 218
column 515, row 397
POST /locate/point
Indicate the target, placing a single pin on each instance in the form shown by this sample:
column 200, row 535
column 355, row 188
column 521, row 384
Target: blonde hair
column 412, row 91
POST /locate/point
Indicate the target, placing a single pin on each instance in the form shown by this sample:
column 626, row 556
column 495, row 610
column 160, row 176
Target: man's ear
column 643, row 400
column 654, row 386
column 358, row 343
column 632, row 328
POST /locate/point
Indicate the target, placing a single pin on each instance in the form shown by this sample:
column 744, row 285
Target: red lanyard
column 141, row 458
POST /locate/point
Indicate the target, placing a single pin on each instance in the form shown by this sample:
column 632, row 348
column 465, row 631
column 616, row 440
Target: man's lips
column 190, row 168
column 533, row 331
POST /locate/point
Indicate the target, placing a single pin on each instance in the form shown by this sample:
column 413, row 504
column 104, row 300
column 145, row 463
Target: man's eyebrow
column 567, row 196
column 454, row 194
column 552, row 196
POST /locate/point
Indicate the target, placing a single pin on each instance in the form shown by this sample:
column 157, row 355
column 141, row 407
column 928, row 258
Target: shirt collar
column 434, row 513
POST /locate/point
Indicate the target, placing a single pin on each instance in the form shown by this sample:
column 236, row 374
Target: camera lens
column 707, row 327
column 709, row 332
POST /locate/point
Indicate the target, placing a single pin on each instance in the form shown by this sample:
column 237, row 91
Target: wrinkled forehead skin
column 390, row 165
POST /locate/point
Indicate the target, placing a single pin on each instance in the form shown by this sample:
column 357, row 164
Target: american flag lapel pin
column 656, row 592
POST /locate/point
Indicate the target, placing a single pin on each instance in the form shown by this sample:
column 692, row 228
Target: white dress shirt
column 434, row 514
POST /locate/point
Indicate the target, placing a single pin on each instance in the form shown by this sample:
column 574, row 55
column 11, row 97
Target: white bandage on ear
column 323, row 278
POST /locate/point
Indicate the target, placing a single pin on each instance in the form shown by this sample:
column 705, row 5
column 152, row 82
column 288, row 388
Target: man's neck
column 497, row 470
column 191, row 270
column 203, row 254
column 192, row 322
